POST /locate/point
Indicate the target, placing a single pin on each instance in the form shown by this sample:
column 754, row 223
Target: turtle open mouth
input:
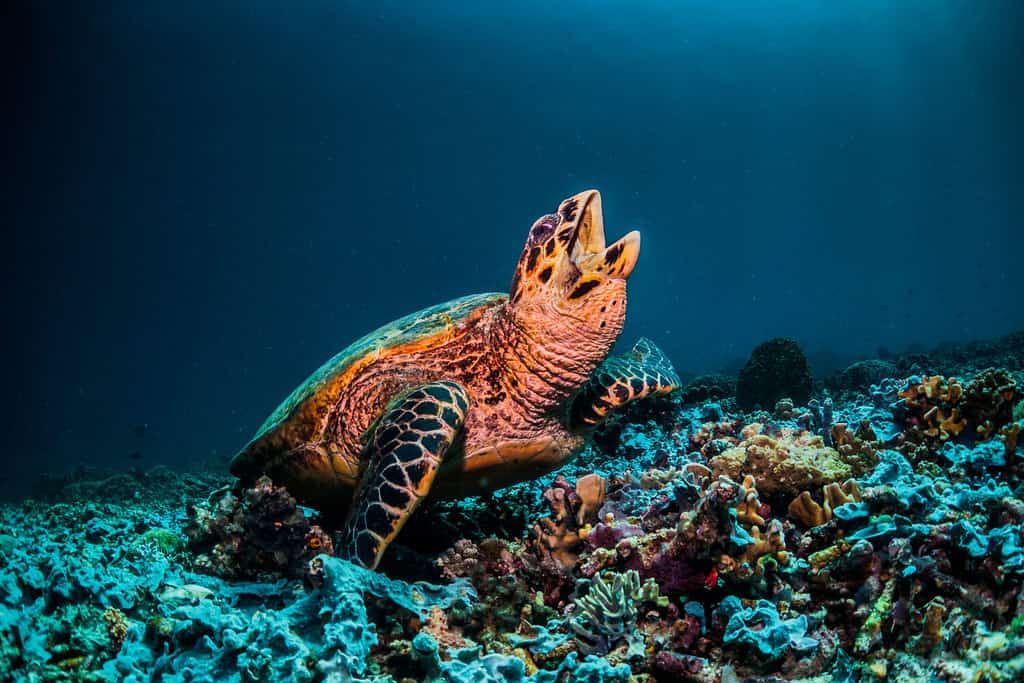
column 589, row 252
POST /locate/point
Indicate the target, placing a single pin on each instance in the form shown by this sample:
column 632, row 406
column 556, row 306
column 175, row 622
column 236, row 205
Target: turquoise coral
column 762, row 629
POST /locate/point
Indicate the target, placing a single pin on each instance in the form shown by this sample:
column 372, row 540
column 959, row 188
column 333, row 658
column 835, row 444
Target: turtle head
column 568, row 280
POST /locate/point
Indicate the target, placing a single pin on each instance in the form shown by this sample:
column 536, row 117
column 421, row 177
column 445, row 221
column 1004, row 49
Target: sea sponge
column 776, row 369
column 762, row 630
column 792, row 461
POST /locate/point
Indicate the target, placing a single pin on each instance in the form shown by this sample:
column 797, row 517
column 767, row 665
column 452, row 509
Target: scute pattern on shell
column 437, row 322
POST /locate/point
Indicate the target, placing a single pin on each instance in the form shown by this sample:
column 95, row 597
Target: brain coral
column 776, row 369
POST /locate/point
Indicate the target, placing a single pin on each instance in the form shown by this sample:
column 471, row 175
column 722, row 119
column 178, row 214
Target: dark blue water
column 204, row 203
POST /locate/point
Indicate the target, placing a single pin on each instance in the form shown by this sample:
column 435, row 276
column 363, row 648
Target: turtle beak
column 588, row 250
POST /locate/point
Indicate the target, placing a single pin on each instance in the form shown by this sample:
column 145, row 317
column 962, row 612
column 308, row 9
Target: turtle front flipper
column 643, row 371
column 403, row 455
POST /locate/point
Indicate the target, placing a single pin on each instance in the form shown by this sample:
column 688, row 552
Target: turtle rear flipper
column 641, row 372
column 403, row 455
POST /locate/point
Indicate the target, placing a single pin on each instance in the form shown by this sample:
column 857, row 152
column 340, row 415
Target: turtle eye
column 542, row 230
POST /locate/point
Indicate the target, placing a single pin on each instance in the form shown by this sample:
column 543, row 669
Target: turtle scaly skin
column 468, row 396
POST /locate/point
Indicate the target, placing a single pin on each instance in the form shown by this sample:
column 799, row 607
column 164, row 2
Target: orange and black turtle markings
column 403, row 457
column 613, row 254
column 568, row 209
column 467, row 396
column 643, row 371
column 583, row 287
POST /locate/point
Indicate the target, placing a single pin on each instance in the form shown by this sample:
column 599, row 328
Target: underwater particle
column 776, row 369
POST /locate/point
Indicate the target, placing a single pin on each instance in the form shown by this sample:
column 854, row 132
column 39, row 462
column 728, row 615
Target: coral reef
column 874, row 533
column 859, row 377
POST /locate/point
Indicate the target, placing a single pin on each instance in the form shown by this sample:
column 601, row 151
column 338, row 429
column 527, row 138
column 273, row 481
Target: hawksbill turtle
column 467, row 396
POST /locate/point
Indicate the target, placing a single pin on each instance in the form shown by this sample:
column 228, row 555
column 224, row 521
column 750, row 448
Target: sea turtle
column 468, row 396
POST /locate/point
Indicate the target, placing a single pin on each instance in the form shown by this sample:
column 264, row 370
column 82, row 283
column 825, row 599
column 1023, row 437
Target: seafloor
column 867, row 526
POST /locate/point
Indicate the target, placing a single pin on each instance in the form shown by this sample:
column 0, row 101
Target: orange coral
column 559, row 537
column 939, row 408
column 808, row 511
column 933, row 408
column 748, row 510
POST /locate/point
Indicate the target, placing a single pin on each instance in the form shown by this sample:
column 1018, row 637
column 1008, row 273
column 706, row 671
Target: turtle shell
column 296, row 420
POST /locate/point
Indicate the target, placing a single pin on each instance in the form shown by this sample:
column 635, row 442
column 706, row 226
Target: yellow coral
column 795, row 461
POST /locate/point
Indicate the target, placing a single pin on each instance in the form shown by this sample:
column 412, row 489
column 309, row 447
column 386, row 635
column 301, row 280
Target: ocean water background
column 204, row 201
